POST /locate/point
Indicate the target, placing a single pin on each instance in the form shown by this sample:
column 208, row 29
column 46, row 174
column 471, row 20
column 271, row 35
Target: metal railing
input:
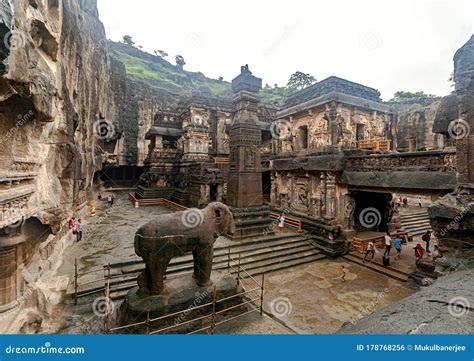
column 249, row 300
column 155, row 202
column 289, row 221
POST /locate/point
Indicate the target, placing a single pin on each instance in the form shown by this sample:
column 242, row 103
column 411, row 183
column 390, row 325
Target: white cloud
column 388, row 45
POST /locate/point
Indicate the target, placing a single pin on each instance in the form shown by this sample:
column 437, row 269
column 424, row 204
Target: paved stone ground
column 313, row 299
column 305, row 299
column 108, row 237
column 444, row 307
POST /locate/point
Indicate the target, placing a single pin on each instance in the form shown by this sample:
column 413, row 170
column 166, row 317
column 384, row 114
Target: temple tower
column 244, row 187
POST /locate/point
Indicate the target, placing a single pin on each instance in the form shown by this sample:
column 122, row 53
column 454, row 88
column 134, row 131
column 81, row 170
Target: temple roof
column 333, row 84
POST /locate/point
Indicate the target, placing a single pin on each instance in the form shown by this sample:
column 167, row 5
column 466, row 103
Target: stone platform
column 182, row 294
column 251, row 222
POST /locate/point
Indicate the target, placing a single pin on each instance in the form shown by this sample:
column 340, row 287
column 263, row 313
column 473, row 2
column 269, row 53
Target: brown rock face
column 452, row 217
column 55, row 91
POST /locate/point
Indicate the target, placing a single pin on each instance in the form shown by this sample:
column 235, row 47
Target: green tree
column 161, row 53
column 127, row 39
column 300, row 80
column 180, row 61
column 413, row 97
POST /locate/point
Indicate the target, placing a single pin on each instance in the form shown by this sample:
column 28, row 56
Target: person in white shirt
column 281, row 223
column 388, row 244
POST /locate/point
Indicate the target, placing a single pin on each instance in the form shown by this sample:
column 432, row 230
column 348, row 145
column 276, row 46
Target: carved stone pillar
column 330, row 195
column 245, row 174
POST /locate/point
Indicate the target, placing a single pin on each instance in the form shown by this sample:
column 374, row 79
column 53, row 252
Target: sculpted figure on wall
column 349, row 208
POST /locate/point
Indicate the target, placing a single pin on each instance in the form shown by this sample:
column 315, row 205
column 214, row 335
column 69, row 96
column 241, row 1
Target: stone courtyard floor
column 313, row 299
column 306, row 299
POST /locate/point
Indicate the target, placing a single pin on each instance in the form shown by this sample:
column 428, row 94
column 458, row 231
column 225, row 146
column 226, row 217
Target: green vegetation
column 409, row 97
column 127, row 39
column 299, row 81
column 156, row 71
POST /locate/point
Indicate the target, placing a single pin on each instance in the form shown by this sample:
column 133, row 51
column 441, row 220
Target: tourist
column 281, row 223
column 109, row 200
column 370, row 250
column 343, row 274
column 79, row 229
column 72, row 224
column 427, row 238
column 405, row 202
column 398, row 246
column 419, row 202
column 113, row 200
column 419, row 251
column 388, row 244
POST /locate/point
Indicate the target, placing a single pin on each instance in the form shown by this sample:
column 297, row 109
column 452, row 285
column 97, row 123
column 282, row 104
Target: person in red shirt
column 72, row 224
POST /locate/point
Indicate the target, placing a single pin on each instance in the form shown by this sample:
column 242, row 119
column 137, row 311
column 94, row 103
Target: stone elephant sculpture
column 174, row 234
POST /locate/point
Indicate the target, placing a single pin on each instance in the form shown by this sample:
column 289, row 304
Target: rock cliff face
column 452, row 217
column 55, row 95
column 415, row 127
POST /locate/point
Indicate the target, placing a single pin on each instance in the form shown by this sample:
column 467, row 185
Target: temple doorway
column 213, row 192
column 371, row 211
column 266, row 187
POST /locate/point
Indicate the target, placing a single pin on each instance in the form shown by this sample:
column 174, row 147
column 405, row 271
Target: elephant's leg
column 195, row 264
column 157, row 272
column 204, row 265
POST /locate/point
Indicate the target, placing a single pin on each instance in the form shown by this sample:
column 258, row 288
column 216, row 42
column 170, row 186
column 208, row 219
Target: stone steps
column 416, row 222
column 257, row 256
column 377, row 266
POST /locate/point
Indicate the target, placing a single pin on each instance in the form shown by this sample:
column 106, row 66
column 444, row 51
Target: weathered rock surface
column 444, row 307
column 452, row 216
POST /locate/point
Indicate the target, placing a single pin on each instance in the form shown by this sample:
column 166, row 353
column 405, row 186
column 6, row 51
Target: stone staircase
column 416, row 221
column 377, row 266
column 257, row 256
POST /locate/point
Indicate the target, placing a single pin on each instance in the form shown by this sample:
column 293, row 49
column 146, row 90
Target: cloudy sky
column 389, row 45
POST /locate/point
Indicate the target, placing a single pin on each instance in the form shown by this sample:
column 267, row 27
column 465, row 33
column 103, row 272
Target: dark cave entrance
column 266, row 186
column 371, row 211
column 213, row 192
column 121, row 176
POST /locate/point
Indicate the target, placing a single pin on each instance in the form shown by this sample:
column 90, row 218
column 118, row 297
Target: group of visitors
column 397, row 244
column 404, row 201
column 76, row 227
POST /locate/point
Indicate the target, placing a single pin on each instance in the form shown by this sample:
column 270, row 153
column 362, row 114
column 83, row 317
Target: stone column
column 245, row 173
